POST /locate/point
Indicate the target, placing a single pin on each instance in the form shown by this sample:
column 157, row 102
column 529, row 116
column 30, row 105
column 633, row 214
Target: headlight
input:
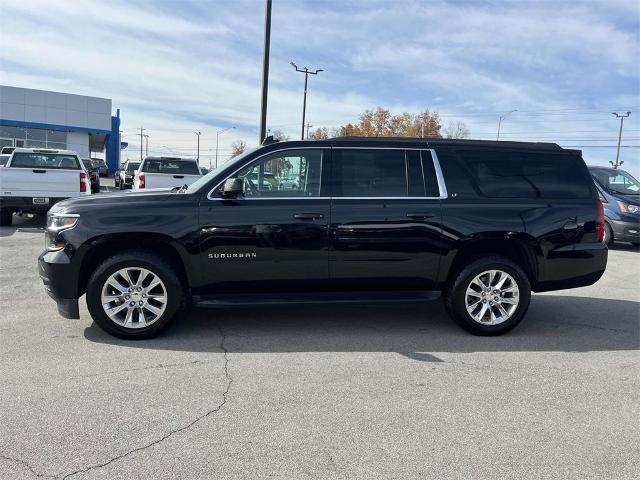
column 628, row 208
column 58, row 222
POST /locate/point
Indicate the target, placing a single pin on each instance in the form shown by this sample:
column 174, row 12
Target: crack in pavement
column 178, row 430
column 25, row 464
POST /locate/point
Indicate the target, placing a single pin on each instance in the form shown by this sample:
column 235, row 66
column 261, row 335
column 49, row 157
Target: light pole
column 217, row 140
column 306, row 72
column 502, row 117
column 265, row 73
column 621, row 117
column 198, row 156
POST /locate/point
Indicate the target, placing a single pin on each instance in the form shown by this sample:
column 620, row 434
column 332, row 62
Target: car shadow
column 553, row 324
column 625, row 247
column 35, row 224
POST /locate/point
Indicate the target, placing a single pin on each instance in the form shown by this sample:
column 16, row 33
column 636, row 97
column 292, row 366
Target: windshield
column 45, row 160
column 617, row 182
column 132, row 167
column 198, row 184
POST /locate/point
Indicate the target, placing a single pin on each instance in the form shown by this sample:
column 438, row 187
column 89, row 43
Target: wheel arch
column 521, row 248
column 98, row 249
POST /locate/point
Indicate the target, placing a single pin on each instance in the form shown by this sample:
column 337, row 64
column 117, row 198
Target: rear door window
column 383, row 173
column 170, row 167
column 527, row 175
column 45, row 161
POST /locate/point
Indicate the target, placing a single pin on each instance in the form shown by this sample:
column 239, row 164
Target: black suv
column 485, row 223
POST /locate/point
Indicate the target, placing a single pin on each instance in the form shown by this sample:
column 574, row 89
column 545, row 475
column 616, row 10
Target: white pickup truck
column 33, row 179
column 166, row 172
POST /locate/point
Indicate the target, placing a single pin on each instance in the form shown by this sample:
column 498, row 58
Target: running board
column 229, row 300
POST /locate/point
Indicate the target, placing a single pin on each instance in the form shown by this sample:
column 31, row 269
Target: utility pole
column 306, row 72
column 141, row 136
column 198, row 157
column 146, row 145
column 217, row 139
column 308, row 127
column 502, row 117
column 265, row 73
column 621, row 117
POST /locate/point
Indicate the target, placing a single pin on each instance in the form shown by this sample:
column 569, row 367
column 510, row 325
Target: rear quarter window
column 527, row 174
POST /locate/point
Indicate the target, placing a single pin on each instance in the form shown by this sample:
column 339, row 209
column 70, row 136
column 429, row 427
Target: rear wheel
column 6, row 217
column 489, row 297
column 134, row 295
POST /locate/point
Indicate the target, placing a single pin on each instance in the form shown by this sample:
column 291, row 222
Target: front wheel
column 608, row 235
column 489, row 297
column 134, row 295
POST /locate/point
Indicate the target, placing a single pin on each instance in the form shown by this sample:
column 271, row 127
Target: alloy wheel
column 134, row 297
column 492, row 297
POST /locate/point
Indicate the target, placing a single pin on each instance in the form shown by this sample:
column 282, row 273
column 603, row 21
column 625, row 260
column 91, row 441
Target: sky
column 177, row 67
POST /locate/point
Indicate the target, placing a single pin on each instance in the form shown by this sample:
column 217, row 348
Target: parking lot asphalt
column 320, row 391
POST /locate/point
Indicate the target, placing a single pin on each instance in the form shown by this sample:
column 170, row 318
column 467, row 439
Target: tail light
column 141, row 181
column 83, row 182
column 600, row 221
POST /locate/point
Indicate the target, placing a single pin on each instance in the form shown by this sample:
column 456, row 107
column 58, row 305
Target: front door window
column 292, row 173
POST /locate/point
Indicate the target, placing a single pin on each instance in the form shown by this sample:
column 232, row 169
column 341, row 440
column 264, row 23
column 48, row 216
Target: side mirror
column 233, row 187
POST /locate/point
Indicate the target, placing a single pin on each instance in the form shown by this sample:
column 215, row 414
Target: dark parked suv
column 485, row 223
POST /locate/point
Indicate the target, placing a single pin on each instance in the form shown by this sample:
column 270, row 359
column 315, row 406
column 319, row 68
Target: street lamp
column 621, row 117
column 217, row 139
column 502, row 117
column 306, row 72
column 198, row 156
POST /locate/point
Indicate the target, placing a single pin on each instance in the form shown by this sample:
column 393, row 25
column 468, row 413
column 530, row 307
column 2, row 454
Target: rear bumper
column 56, row 273
column 573, row 266
column 25, row 204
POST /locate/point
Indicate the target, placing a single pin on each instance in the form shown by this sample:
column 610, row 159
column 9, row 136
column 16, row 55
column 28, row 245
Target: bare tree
column 280, row 135
column 319, row 134
column 238, row 147
column 456, row 130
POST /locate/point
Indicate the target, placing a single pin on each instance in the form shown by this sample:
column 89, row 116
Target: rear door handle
column 178, row 176
column 308, row 216
column 39, row 171
column 419, row 216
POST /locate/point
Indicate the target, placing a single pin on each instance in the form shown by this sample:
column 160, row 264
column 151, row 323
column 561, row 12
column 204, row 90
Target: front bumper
column 625, row 231
column 56, row 273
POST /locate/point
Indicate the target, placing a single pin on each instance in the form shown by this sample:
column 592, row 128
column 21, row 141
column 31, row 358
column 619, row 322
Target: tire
column 6, row 217
column 456, row 297
column 135, row 260
column 608, row 235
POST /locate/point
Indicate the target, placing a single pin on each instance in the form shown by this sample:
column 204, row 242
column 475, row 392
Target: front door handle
column 420, row 216
column 308, row 216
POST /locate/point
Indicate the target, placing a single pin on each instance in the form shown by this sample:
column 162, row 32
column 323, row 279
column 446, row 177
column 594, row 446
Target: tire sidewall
column 458, row 294
column 608, row 235
column 160, row 269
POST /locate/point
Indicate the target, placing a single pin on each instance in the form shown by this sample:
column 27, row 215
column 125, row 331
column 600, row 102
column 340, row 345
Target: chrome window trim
column 442, row 187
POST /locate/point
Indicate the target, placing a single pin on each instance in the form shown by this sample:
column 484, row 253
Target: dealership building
column 43, row 119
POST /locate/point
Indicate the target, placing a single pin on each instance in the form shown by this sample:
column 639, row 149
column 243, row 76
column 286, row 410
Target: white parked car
column 34, row 179
column 166, row 172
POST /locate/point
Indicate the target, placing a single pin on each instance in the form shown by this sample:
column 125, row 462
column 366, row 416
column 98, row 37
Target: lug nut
column 140, row 302
column 132, row 304
column 130, row 289
column 127, row 297
column 144, row 295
